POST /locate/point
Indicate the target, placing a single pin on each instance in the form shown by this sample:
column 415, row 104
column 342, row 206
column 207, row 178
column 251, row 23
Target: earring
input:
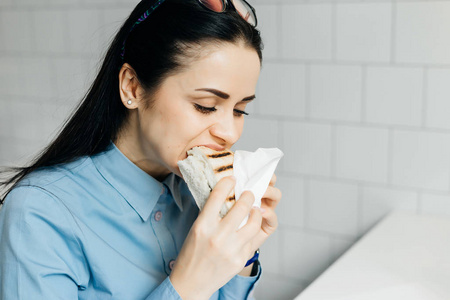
column 129, row 102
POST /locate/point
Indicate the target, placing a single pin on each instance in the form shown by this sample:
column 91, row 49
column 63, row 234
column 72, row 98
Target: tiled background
column 356, row 93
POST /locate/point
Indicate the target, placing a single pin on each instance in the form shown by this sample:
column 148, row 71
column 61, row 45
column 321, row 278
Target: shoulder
column 48, row 176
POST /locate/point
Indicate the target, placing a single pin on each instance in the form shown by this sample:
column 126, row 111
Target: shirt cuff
column 164, row 291
column 241, row 287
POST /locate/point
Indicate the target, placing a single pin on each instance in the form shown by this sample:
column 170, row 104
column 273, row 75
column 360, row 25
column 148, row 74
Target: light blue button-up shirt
column 97, row 228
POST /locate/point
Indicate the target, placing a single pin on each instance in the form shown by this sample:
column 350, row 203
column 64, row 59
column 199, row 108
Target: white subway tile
column 273, row 286
column 15, row 31
column 305, row 255
column 28, row 120
column 268, row 26
column 281, row 90
column 379, row 202
column 394, row 96
column 363, row 32
column 113, row 19
column 435, row 204
column 5, row 118
column 50, row 31
column 421, row 160
column 438, row 94
column 307, row 148
column 14, row 152
column 336, row 92
column 10, row 75
column 332, row 207
column 84, row 31
column 362, row 153
column 258, row 133
column 422, row 31
column 71, row 78
column 306, row 31
column 291, row 210
column 35, row 78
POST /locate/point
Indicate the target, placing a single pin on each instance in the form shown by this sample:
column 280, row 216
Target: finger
column 218, row 196
column 253, row 225
column 273, row 180
column 268, row 226
column 271, row 197
column 239, row 211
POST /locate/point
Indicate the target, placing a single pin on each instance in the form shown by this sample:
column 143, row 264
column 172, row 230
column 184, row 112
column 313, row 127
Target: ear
column 129, row 87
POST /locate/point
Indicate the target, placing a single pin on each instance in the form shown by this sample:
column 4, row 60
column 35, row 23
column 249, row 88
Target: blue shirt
column 97, row 228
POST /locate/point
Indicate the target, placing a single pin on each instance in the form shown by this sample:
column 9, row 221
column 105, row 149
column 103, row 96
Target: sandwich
column 202, row 169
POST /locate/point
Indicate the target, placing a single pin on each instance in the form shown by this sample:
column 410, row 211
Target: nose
column 227, row 129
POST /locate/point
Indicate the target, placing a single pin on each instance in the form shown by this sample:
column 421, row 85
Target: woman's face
column 202, row 105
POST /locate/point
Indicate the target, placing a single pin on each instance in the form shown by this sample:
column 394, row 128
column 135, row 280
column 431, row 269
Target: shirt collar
column 139, row 189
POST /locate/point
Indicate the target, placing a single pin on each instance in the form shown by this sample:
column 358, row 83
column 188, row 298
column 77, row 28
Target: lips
column 214, row 147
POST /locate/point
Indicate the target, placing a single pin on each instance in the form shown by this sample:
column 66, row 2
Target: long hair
column 159, row 46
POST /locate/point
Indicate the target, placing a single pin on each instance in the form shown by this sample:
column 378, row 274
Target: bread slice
column 202, row 169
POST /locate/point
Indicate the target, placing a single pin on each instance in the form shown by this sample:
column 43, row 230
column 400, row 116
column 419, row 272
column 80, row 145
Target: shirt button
column 171, row 264
column 158, row 216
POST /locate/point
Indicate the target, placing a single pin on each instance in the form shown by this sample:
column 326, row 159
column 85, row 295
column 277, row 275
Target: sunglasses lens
column 245, row 11
column 214, row 5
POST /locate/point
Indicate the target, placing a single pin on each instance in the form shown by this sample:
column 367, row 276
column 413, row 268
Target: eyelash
column 208, row 110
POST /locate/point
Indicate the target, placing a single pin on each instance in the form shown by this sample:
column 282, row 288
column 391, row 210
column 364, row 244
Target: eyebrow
column 224, row 95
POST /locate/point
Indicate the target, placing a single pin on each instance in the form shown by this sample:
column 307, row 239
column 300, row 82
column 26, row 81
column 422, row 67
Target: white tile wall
column 421, row 160
column 307, row 148
column 379, row 201
column 305, row 254
column 51, row 31
column 21, row 38
column 332, row 207
column 362, row 153
column 336, row 92
column 394, row 96
column 306, row 31
column 438, row 93
column 355, row 92
column 281, row 90
column 422, row 29
column 363, row 31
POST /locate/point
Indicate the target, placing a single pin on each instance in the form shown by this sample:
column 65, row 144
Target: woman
column 103, row 212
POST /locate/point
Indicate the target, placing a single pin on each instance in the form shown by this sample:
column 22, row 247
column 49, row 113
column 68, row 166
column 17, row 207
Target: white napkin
column 253, row 171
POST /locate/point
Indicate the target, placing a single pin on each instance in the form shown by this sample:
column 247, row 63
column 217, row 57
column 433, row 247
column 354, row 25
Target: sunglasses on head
column 242, row 7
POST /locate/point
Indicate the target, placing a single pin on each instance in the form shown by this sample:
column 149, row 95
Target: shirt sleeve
column 164, row 291
column 40, row 258
column 240, row 287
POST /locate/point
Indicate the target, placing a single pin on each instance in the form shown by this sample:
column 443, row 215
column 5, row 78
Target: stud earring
column 129, row 102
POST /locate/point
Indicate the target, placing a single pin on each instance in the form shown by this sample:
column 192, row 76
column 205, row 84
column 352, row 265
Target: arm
column 40, row 258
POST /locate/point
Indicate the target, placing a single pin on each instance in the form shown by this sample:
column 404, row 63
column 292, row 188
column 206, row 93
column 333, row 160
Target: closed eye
column 204, row 110
column 239, row 113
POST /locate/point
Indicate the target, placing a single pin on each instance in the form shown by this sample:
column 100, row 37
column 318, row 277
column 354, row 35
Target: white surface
column 406, row 256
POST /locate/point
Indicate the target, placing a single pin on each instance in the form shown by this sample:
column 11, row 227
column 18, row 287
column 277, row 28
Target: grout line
column 390, row 163
column 334, row 37
column 364, row 76
column 393, row 31
column 425, row 97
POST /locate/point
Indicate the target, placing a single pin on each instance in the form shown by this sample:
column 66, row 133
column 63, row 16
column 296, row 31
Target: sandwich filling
column 202, row 169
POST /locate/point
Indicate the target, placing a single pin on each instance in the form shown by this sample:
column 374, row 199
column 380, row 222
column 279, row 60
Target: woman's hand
column 269, row 202
column 215, row 250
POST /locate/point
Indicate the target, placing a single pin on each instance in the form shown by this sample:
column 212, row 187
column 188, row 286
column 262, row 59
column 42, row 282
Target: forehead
column 232, row 68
